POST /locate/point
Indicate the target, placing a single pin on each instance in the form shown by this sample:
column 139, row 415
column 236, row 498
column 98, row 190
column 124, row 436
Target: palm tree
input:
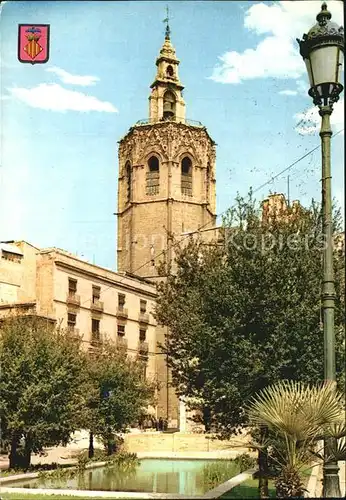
column 299, row 415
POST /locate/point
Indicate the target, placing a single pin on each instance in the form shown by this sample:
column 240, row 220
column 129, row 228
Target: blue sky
column 243, row 76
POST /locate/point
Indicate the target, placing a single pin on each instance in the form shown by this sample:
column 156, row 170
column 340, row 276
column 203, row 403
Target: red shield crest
column 33, row 43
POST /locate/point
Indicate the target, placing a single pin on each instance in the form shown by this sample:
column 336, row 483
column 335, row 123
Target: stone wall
column 180, row 442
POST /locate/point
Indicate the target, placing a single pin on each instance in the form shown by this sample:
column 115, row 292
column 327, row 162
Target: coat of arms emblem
column 33, row 43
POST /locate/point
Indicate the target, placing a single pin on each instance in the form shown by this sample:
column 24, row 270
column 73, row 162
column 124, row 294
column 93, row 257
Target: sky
column 61, row 121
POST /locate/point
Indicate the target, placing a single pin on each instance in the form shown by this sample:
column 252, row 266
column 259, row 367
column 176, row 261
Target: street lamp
column 322, row 50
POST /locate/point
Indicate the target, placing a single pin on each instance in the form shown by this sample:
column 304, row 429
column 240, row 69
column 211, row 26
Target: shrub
column 216, row 473
column 245, row 462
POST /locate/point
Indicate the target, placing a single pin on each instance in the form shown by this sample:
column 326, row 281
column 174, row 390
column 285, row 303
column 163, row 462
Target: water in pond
column 186, row 477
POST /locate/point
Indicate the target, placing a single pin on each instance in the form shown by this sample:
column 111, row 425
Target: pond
column 185, row 477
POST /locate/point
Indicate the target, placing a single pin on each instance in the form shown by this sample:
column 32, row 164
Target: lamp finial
column 324, row 16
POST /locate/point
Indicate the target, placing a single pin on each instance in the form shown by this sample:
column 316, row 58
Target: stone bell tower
column 166, row 187
column 166, row 183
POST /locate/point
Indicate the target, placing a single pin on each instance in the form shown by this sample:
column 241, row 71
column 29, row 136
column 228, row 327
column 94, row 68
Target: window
column 144, row 370
column 208, row 180
column 121, row 300
column 71, row 321
column 96, row 294
column 72, row 287
column 169, row 105
column 11, row 256
column 128, row 173
column 153, row 176
column 95, row 326
column 186, row 176
column 142, row 335
column 121, row 330
column 143, row 306
column 169, row 71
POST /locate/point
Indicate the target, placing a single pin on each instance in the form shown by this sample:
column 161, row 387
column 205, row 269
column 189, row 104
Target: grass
column 248, row 489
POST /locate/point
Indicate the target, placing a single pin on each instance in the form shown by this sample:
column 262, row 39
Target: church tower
column 166, row 187
column 166, row 184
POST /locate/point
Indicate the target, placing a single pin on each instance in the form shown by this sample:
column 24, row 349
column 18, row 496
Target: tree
column 299, row 416
column 42, row 386
column 246, row 314
column 119, row 396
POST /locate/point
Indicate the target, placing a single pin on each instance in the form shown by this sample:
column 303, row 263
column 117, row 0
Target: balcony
column 143, row 317
column 143, row 348
column 122, row 344
column 177, row 119
column 96, row 305
column 122, row 312
column 73, row 298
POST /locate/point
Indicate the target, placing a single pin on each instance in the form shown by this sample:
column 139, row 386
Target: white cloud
column 66, row 77
column 54, row 97
column 288, row 92
column 277, row 54
column 309, row 122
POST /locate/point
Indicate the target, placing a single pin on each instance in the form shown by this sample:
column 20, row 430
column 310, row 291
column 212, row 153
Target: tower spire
column 166, row 20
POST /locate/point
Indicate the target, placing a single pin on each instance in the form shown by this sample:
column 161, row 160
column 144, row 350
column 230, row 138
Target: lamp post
column 322, row 50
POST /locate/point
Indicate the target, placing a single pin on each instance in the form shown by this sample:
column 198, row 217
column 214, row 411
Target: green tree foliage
column 246, row 314
column 119, row 396
column 42, row 387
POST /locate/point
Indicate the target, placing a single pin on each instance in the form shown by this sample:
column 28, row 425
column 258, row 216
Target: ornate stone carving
column 170, row 140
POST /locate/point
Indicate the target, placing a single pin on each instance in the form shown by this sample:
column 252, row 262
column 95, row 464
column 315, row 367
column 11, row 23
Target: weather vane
column 166, row 20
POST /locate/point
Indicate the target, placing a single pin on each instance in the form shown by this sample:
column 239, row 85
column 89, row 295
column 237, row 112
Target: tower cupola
column 166, row 101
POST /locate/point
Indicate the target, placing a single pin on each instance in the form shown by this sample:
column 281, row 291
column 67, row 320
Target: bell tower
column 166, row 183
column 166, row 101
column 166, row 187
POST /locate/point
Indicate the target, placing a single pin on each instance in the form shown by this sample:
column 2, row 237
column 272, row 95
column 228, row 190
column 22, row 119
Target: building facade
column 89, row 301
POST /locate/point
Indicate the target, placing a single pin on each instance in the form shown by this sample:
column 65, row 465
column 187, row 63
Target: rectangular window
column 72, row 286
column 95, row 326
column 121, row 300
column 71, row 320
column 142, row 335
column 96, row 294
column 143, row 306
column 11, row 256
column 121, row 330
column 144, row 370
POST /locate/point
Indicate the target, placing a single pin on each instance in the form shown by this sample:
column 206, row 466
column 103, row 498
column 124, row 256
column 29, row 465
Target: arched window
column 169, row 71
column 208, row 181
column 153, row 176
column 186, row 176
column 128, row 173
column 169, row 101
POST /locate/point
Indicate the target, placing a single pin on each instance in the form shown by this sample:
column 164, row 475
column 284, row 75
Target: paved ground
column 60, row 454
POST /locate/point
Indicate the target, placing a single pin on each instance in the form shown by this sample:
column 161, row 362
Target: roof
column 6, row 247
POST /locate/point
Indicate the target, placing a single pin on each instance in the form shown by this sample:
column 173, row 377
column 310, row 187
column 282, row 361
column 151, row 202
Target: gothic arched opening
column 169, row 105
column 186, row 176
column 153, row 176
column 128, row 173
column 169, row 71
column 208, row 181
